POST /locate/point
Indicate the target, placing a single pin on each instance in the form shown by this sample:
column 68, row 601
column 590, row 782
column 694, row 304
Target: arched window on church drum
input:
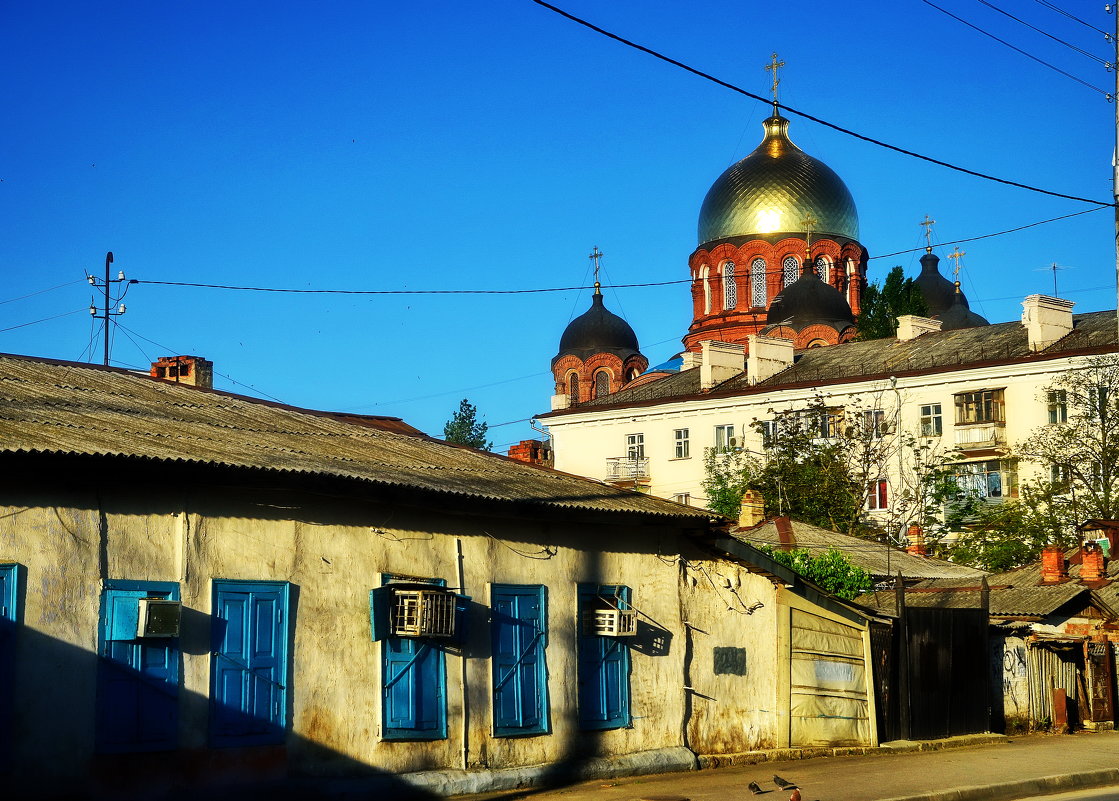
column 823, row 269
column 757, row 284
column 573, row 388
column 706, row 289
column 790, row 270
column 601, row 383
column 730, row 289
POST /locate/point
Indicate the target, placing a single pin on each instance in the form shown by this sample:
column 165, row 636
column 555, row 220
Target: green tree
column 831, row 570
column 464, row 428
column 882, row 305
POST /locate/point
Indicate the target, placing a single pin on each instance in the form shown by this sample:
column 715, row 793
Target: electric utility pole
column 107, row 314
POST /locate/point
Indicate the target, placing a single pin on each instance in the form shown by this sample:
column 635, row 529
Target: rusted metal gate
column 1099, row 673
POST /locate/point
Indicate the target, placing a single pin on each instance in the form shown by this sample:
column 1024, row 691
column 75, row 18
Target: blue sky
column 446, row 145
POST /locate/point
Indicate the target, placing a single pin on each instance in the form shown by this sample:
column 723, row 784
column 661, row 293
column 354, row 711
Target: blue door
column 248, row 668
column 138, row 678
column 9, row 620
column 520, row 680
column 603, row 666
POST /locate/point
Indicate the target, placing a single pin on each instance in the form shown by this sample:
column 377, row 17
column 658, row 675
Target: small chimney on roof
column 532, row 451
column 752, row 510
column 722, row 361
column 1053, row 567
column 1092, row 561
column 767, row 356
column 1046, row 319
column 916, row 539
column 910, row 326
column 192, row 370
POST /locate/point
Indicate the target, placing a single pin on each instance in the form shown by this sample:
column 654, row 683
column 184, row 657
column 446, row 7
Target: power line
column 45, row 319
column 1073, row 17
column 223, row 375
column 41, row 291
column 807, row 116
column 1044, row 32
column 1017, row 49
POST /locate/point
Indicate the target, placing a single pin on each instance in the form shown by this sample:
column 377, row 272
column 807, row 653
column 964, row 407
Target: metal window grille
column 609, row 622
column 790, row 270
column 423, row 613
column 757, row 283
column 730, row 288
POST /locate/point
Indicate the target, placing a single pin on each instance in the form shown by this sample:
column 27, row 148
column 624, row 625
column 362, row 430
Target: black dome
column 958, row 315
column 939, row 293
column 598, row 330
column 807, row 301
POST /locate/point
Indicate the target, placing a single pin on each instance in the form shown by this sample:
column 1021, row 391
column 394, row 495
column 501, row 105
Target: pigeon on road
column 784, row 785
column 755, row 789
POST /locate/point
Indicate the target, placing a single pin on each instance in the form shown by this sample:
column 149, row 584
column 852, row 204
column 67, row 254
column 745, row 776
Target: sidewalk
column 1008, row 769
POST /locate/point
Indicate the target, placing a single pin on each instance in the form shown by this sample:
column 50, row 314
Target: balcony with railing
column 981, row 436
column 627, row 471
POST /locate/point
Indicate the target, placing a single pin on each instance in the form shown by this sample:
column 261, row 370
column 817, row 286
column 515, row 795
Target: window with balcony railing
column 992, row 478
column 983, row 406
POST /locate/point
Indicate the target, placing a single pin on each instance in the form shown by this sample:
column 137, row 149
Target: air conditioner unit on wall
column 609, row 622
column 422, row 613
column 159, row 617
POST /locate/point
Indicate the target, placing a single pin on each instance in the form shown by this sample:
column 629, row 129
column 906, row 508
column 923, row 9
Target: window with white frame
column 758, row 293
column 683, row 443
column 875, row 424
column 730, row 289
column 790, row 270
column 932, row 422
column 1057, row 405
column 877, row 498
column 725, row 439
column 769, row 431
column 635, row 446
column 824, row 423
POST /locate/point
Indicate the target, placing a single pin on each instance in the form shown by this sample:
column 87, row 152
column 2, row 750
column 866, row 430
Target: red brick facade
column 585, row 373
column 712, row 320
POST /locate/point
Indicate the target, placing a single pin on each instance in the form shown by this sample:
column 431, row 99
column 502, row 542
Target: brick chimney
column 532, row 451
column 752, row 510
column 192, row 370
column 1053, row 567
column 1046, row 319
column 916, row 539
column 1092, row 563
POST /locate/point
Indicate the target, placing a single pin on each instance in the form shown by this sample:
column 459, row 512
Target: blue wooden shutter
column 138, row 679
column 249, row 664
column 520, row 682
column 413, row 671
column 603, row 672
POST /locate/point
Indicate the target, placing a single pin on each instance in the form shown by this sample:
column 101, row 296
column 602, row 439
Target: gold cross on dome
column 955, row 256
column 596, row 254
column 927, row 224
column 773, row 66
column 808, row 222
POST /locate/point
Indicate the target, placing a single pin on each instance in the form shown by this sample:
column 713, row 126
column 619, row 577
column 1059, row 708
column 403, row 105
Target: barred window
column 823, row 269
column 790, row 270
column 757, row 284
column 601, row 383
column 730, row 289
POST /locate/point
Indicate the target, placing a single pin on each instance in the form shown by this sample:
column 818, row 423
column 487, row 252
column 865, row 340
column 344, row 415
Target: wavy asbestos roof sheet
column 69, row 408
column 877, row 558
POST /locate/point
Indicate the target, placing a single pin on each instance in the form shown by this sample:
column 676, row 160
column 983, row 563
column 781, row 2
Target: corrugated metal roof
column 878, row 358
column 876, row 558
column 69, row 408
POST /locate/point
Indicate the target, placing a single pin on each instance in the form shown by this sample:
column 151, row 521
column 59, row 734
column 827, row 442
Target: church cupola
column 768, row 219
column 598, row 353
column 944, row 299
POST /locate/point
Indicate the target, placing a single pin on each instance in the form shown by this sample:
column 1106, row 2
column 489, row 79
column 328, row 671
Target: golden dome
column 773, row 190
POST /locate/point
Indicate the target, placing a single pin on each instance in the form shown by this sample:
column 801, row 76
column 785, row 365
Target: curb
column 711, row 761
column 1026, row 788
